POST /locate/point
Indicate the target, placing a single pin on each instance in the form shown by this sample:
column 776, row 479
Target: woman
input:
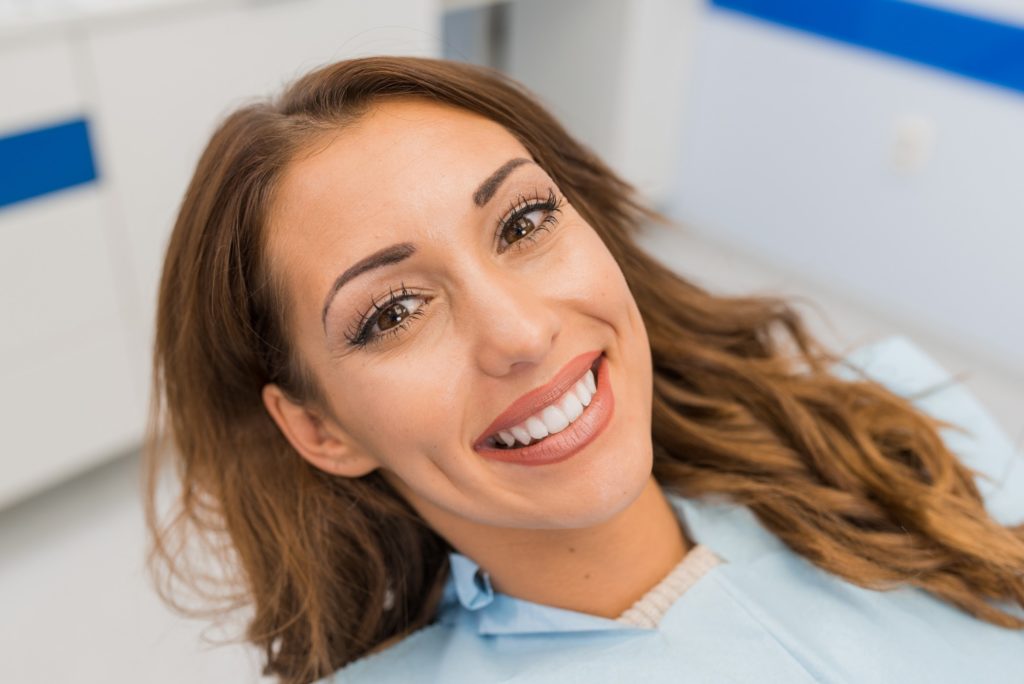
column 419, row 380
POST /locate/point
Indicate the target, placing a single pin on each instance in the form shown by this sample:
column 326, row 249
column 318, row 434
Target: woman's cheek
column 602, row 281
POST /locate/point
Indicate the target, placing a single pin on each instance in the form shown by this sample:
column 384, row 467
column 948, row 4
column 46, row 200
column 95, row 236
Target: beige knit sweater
column 648, row 611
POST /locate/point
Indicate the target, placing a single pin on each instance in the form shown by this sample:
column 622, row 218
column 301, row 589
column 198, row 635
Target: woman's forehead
column 403, row 161
column 403, row 150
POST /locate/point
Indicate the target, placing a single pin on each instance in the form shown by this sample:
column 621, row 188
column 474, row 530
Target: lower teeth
column 498, row 444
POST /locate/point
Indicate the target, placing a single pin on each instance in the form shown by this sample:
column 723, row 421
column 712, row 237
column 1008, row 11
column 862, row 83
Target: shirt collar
column 471, row 583
column 470, row 597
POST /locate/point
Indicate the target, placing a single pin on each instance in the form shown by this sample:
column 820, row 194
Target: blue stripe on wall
column 978, row 48
column 45, row 160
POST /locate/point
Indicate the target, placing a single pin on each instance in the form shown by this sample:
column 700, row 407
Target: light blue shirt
column 763, row 615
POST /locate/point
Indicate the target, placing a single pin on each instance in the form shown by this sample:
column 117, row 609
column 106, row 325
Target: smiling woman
column 417, row 377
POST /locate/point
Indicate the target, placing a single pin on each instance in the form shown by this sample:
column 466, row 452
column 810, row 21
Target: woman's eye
column 394, row 313
column 526, row 218
column 387, row 319
column 521, row 226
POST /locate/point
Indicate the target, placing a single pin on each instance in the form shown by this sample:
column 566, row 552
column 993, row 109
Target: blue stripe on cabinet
column 971, row 46
column 44, row 160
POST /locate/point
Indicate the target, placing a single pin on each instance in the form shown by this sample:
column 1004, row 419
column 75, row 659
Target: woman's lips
column 537, row 399
column 561, row 445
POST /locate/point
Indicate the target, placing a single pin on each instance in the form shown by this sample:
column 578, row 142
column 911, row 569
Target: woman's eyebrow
column 487, row 189
column 382, row 257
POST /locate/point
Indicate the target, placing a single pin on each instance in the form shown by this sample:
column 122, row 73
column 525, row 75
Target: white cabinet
column 68, row 397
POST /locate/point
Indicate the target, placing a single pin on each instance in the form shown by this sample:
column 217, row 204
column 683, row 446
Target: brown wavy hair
column 846, row 473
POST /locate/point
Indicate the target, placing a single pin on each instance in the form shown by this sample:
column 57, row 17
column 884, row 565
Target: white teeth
column 521, row 434
column 582, row 393
column 571, row 406
column 554, row 419
column 536, row 428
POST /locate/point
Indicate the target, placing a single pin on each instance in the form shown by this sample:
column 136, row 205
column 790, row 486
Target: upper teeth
column 553, row 418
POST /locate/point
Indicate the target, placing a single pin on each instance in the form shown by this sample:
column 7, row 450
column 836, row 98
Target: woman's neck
column 601, row 570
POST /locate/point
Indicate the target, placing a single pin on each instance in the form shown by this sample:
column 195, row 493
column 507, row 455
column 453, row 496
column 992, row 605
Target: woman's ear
column 318, row 440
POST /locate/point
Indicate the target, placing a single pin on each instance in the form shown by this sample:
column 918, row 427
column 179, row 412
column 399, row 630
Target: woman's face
column 445, row 294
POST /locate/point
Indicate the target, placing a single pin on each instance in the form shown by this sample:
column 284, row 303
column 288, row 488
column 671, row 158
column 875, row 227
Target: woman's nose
column 514, row 323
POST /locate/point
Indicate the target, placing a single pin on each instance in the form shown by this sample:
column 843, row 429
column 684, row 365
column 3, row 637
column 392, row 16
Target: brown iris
column 391, row 316
column 517, row 229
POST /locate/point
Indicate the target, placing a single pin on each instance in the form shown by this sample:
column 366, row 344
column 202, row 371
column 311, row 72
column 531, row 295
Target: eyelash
column 360, row 334
column 524, row 206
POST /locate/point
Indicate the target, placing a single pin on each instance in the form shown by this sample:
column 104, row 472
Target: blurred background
column 865, row 156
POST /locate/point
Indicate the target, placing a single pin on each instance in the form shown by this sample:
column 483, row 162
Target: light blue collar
column 730, row 530
column 469, row 596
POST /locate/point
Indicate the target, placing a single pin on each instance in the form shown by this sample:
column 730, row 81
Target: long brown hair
column 846, row 473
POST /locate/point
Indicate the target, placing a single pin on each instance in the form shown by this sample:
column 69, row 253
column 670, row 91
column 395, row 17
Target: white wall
column 896, row 184
column 614, row 72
